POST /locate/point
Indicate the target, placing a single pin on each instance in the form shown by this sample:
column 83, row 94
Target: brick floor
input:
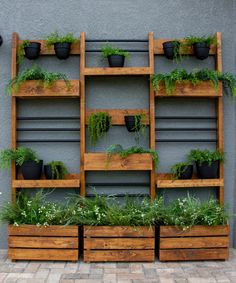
column 156, row 272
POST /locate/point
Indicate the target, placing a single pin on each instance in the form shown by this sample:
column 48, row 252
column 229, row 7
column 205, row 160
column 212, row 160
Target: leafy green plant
column 38, row 74
column 229, row 83
column 118, row 149
column 99, row 123
column 178, row 169
column 20, row 51
column 58, row 168
column 55, row 37
column 197, row 155
column 191, row 40
column 139, row 126
column 19, row 155
column 109, row 50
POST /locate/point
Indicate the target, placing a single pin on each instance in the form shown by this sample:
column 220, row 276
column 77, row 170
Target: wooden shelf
column 125, row 71
column 32, row 89
column 203, row 89
column 98, row 162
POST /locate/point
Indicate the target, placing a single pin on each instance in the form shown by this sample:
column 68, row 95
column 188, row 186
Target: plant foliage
column 200, row 156
column 21, row 52
column 59, row 169
column 55, row 37
column 178, row 169
column 109, row 50
column 191, row 40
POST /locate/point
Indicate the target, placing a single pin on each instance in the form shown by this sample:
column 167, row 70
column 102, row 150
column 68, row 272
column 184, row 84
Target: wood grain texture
column 193, row 183
column 73, row 183
column 117, row 71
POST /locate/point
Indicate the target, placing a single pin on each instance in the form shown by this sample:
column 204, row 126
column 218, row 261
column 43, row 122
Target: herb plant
column 178, row 169
column 55, row 37
column 109, row 50
column 58, row 168
column 197, row 155
column 191, row 40
column 20, row 51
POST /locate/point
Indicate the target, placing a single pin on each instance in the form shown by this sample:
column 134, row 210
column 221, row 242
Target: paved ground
column 64, row 272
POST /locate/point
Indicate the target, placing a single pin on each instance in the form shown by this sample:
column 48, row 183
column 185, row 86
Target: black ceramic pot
column 62, row 50
column 32, row 170
column 187, row 173
column 169, row 47
column 48, row 172
column 201, row 50
column 32, row 51
column 130, row 123
column 206, row 171
column 116, row 60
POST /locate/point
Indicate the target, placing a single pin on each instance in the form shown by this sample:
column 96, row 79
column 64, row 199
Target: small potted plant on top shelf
column 207, row 162
column 172, row 50
column 135, row 124
column 182, row 171
column 55, row 170
column 29, row 49
column 62, row 44
column 25, row 158
column 116, row 56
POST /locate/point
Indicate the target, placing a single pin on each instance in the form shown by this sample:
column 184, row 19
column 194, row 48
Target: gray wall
column 119, row 19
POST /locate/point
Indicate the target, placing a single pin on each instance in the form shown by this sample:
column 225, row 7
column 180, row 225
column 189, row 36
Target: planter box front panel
column 118, row 243
column 198, row 243
column 29, row 242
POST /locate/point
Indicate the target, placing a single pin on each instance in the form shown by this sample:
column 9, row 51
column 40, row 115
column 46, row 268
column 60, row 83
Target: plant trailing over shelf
column 38, row 74
column 118, row 149
column 136, row 124
column 28, row 49
column 99, row 123
column 55, row 170
column 116, row 56
column 172, row 50
column 182, row 170
column 229, row 83
column 62, row 44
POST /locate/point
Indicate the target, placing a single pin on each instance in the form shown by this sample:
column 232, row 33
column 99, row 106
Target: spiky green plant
column 178, row 169
column 109, row 50
column 59, row 170
column 55, row 37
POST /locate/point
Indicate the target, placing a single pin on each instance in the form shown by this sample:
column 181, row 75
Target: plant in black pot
column 62, row 44
column 172, row 50
column 55, row 170
column 207, row 162
column 182, row 171
column 29, row 49
column 98, row 124
column 26, row 160
column 116, row 57
column 135, row 124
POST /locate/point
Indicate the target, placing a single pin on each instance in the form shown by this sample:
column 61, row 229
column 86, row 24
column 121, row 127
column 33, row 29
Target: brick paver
column 155, row 272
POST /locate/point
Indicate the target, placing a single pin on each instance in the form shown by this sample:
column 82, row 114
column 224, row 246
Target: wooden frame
column 119, row 243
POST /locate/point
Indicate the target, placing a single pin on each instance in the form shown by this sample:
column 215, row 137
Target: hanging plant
column 172, row 50
column 55, row 170
column 135, row 123
column 28, row 49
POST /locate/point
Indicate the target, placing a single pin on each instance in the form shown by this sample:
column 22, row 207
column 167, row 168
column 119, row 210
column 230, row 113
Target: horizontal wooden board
column 43, row 242
column 33, row 230
column 194, row 242
column 98, row 162
column 73, row 183
column 118, row 231
column 75, row 48
column 186, row 89
column 191, row 183
column 31, row 89
column 117, row 71
column 119, row 243
column 194, row 254
column 43, row 254
column 118, row 114
column 195, row 231
column 122, row 255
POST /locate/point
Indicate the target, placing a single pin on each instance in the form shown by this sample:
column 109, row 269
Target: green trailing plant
column 178, row 169
column 38, row 74
column 55, row 37
column 177, row 56
column 229, row 83
column 191, row 40
column 21, row 52
column 19, row 155
column 197, row 155
column 118, row 149
column 58, row 168
column 139, row 126
column 99, row 123
column 109, row 50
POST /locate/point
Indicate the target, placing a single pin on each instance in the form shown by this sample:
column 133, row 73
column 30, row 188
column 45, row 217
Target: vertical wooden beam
column 82, row 114
column 152, row 113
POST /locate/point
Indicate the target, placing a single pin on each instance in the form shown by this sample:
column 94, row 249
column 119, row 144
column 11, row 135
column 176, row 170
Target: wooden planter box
column 203, row 89
column 98, row 162
column 198, row 243
column 119, row 243
column 29, row 242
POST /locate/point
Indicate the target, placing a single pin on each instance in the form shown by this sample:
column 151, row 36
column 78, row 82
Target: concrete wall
column 118, row 19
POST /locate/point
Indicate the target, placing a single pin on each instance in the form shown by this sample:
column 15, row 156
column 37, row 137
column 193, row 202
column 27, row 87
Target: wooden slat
column 118, row 231
column 158, row 48
column 123, row 255
column 117, row 71
column 32, row 89
column 43, row 242
column 75, row 48
column 98, row 162
column 73, row 183
column 194, row 254
column 195, row 231
column 119, row 243
column 193, row 183
column 33, row 230
column 43, row 254
column 118, row 114
column 194, row 242
column 186, row 89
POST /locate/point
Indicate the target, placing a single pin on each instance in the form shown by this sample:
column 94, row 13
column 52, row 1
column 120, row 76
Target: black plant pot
column 116, row 60
column 130, row 123
column 32, row 170
column 48, row 172
column 32, row 51
column 168, row 48
column 107, row 124
column 62, row 50
column 201, row 50
column 187, row 173
column 205, row 171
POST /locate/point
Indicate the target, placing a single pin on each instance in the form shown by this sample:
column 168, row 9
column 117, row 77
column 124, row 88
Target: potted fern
column 55, row 170
column 116, row 56
column 172, row 50
column 182, row 171
column 29, row 49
